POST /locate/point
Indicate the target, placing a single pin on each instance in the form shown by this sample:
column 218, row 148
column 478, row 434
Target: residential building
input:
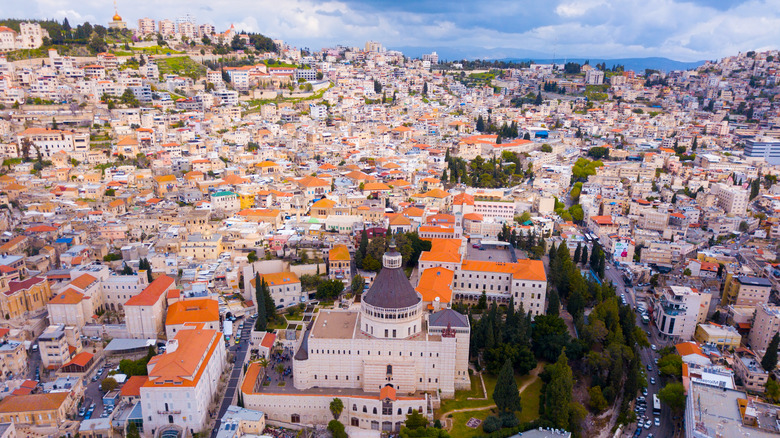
column 284, row 287
column 746, row 291
column 679, row 310
column 723, row 336
column 766, row 323
column 750, row 372
column 340, row 263
column 49, row 410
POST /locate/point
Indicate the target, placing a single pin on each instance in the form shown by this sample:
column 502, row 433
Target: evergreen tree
column 577, row 253
column 425, row 89
column 769, row 361
column 584, row 257
column 480, row 124
column 262, row 317
column 558, row 393
column 506, row 395
column 553, row 306
column 362, row 248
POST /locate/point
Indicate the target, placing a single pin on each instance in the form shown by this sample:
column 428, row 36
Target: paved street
column 666, row 429
column 240, row 351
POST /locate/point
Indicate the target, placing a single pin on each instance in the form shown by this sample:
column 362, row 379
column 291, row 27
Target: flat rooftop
column 713, row 411
column 490, row 254
column 335, row 324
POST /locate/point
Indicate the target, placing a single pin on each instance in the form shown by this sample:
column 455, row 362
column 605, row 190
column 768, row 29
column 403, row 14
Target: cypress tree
column 577, row 253
column 584, row 257
column 262, row 317
column 769, row 361
column 505, row 395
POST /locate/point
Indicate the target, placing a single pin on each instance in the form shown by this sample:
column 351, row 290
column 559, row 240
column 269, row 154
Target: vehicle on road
column 657, row 421
column 653, row 347
column 652, row 380
column 656, row 405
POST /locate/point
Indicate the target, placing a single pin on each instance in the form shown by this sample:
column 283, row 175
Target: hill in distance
column 521, row 55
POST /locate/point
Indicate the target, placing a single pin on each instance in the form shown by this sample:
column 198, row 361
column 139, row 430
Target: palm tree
column 263, row 362
column 280, row 369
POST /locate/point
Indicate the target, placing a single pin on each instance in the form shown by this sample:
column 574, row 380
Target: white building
column 145, row 312
column 732, row 199
column 679, row 310
column 383, row 361
column 183, row 381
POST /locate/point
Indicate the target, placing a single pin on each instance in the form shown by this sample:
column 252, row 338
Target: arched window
column 364, row 409
column 295, row 418
column 375, row 411
column 354, row 407
column 389, row 370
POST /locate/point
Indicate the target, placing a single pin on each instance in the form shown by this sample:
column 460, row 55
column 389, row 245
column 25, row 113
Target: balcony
column 168, row 412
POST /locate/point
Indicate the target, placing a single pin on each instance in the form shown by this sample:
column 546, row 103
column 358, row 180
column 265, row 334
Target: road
column 647, row 355
column 240, row 353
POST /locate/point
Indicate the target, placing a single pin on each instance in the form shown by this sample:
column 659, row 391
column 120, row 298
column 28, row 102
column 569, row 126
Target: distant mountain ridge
column 520, row 55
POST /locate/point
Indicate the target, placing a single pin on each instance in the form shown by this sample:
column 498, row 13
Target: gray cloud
column 684, row 30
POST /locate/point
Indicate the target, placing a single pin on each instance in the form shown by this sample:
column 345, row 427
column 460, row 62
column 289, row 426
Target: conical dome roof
column 391, row 289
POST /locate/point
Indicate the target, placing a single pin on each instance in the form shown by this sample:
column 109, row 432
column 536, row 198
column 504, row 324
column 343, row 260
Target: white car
column 653, row 347
column 657, row 421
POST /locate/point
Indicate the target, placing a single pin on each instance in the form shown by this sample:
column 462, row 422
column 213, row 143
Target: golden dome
column 117, row 17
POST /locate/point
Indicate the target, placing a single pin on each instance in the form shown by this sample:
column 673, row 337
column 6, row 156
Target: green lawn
column 459, row 419
column 461, row 398
column 529, row 399
column 180, row 65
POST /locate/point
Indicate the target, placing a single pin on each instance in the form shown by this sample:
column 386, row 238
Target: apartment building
column 749, row 370
column 732, row 199
column 722, row 336
column 13, row 355
column 678, row 311
column 746, row 291
column 145, row 26
column 57, row 345
column 766, row 323
column 183, row 381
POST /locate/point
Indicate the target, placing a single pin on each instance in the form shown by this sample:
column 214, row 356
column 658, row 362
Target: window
column 295, row 418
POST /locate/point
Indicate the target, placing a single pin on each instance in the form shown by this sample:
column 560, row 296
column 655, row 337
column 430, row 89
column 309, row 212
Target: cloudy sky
column 682, row 30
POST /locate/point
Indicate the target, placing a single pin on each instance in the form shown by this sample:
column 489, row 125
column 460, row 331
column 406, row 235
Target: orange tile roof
column 185, row 365
column 436, row 283
column 387, row 392
column 68, row 296
column 312, row 181
column 200, row 310
column 152, row 293
column 371, row 186
column 268, row 340
column 33, row 402
column 339, row 253
column 81, row 359
column 132, row 388
column 83, row 281
column 278, row 278
column 324, row 203
column 687, row 348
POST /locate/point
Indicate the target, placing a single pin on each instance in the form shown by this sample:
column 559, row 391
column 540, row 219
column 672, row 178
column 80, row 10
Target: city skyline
column 684, row 31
